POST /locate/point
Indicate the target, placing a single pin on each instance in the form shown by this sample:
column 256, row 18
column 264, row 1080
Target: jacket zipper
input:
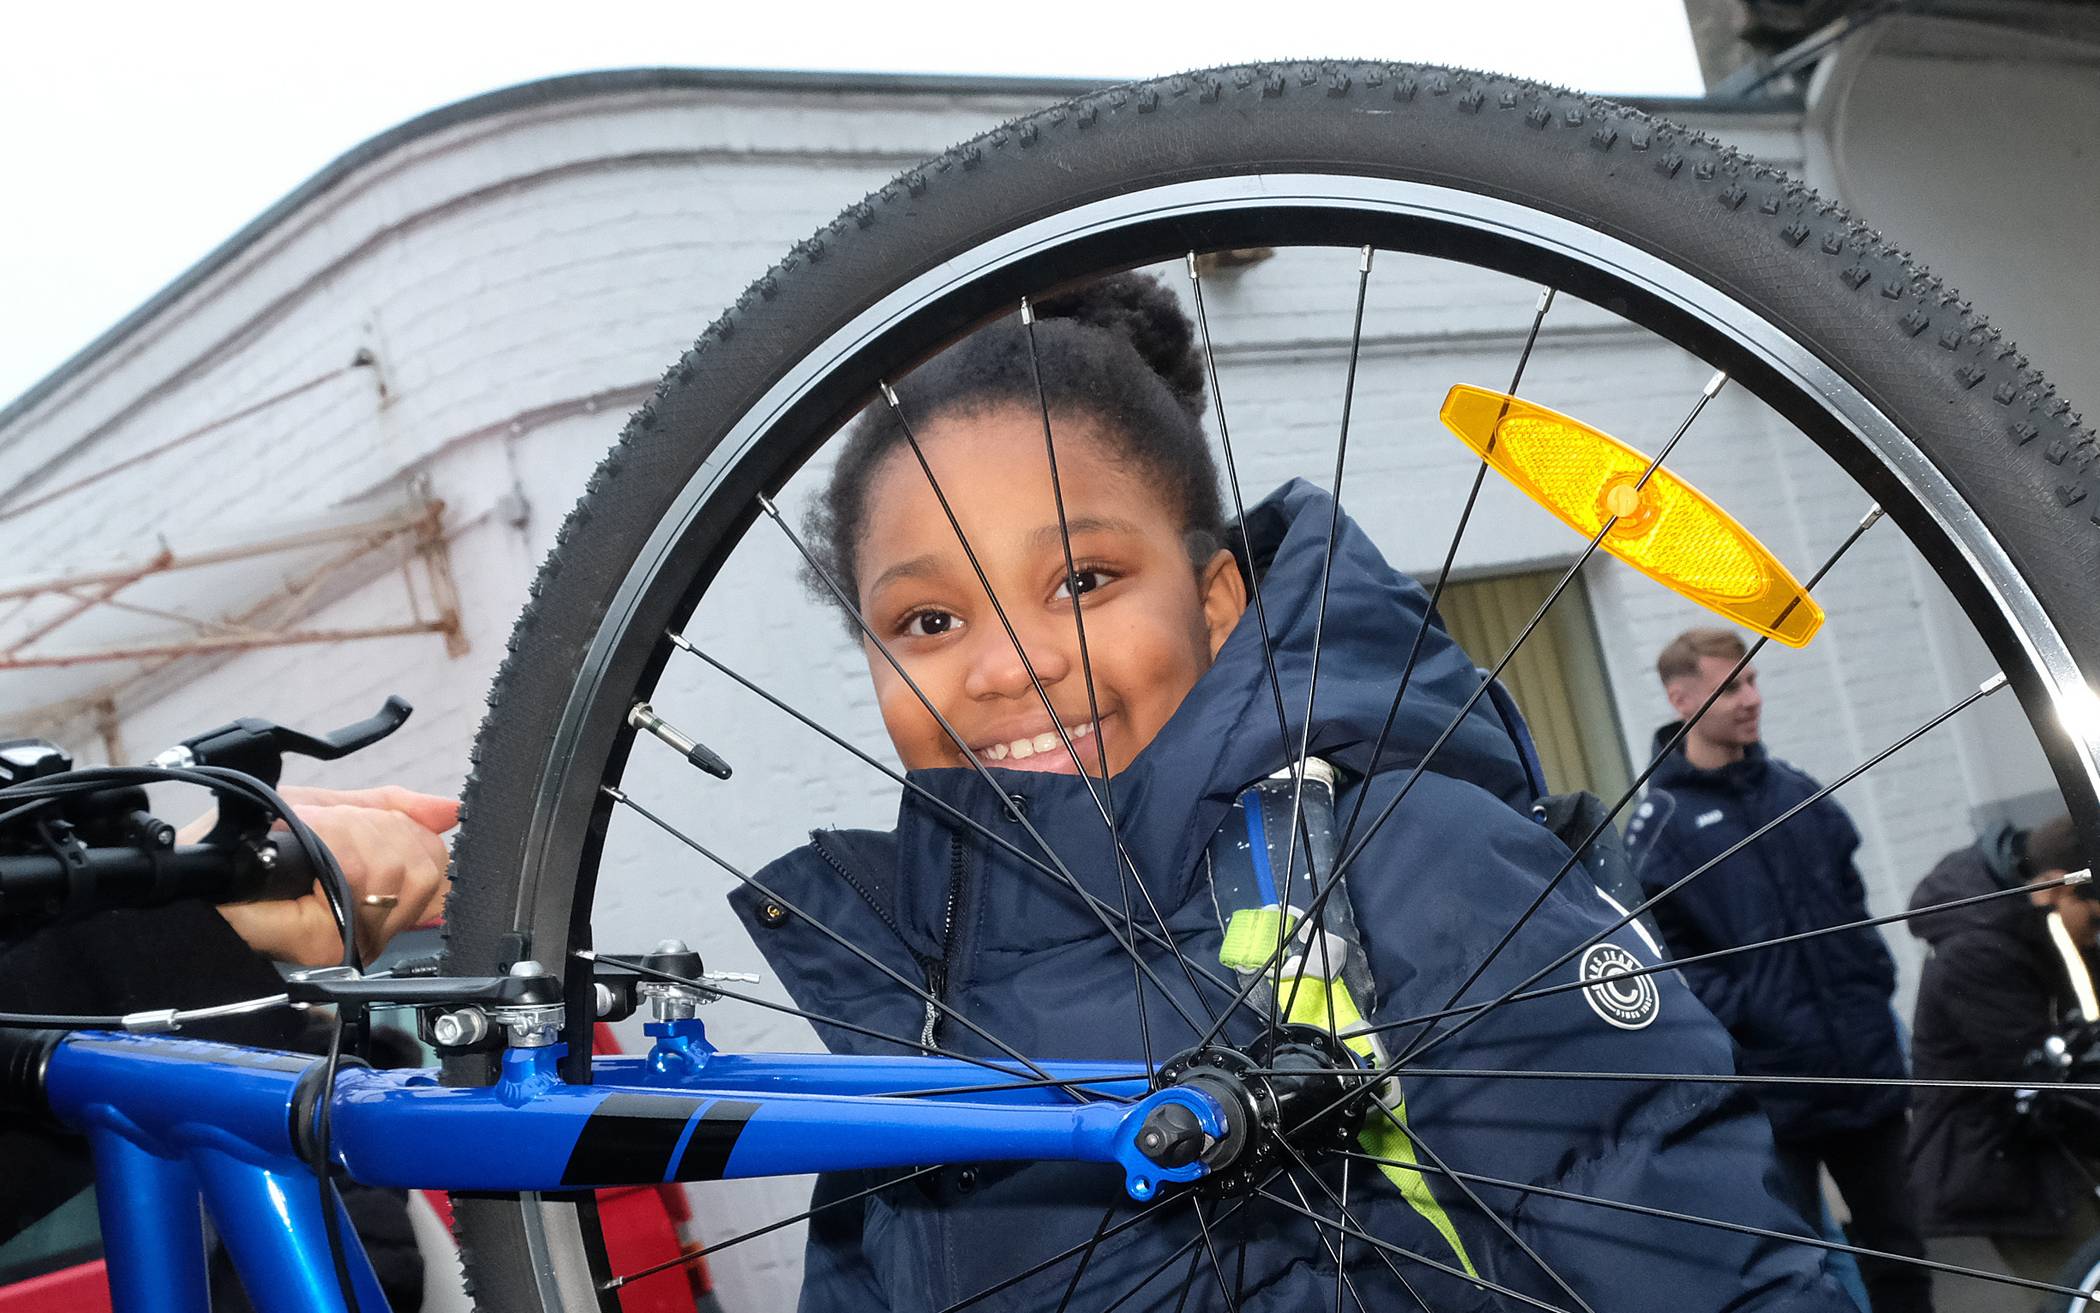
column 927, row 966
column 866, row 895
column 937, row 972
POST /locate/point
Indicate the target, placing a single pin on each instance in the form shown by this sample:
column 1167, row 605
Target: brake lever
column 257, row 747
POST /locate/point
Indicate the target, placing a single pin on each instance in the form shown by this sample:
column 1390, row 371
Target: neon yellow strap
column 1251, row 938
column 1386, row 1137
column 1308, row 999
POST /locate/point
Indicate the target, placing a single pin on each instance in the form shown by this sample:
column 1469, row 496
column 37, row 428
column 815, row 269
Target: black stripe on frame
column 627, row 1139
column 707, row 1153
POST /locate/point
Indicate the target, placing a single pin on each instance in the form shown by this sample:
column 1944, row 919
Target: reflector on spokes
column 1665, row 528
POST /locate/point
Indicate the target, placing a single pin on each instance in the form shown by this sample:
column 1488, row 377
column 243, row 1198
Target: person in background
column 1818, row 1008
column 2004, row 976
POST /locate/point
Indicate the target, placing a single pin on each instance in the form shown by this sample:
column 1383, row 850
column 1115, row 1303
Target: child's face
column 1153, row 621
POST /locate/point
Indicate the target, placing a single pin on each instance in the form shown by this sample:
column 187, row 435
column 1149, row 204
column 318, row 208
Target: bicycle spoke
column 1093, row 702
column 1013, row 811
column 1443, row 576
column 1451, row 727
column 1989, row 686
column 1145, row 1212
column 1188, row 1282
column 1633, row 790
column 695, row 1255
column 1261, row 614
column 1741, row 1228
column 1341, row 1237
column 1103, row 796
column 1336, row 1248
column 1501, row 1223
column 1672, row 964
column 1341, row 1209
column 1217, row 1268
column 1152, row 1210
column 1706, row 394
column 1366, row 1076
column 1387, row 1247
column 817, row 1018
column 923, row 995
column 1047, row 1082
column 1193, row 1247
column 1296, row 765
column 1086, row 1257
column 967, row 822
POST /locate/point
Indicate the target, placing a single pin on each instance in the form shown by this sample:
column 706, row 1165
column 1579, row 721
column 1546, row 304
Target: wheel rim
column 806, row 404
column 1005, row 258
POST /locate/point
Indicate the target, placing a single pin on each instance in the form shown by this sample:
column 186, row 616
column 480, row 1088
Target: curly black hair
column 1118, row 352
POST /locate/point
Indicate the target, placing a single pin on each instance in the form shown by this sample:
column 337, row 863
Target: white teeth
column 1023, row 749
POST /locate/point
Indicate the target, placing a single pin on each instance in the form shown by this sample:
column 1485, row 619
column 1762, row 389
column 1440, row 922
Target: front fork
column 683, row 1112
column 1168, row 1137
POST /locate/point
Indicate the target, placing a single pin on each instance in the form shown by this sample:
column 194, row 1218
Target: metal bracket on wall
column 415, row 536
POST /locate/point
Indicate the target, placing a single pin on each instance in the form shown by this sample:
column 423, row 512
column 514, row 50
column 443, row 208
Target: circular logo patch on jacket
column 1629, row 1003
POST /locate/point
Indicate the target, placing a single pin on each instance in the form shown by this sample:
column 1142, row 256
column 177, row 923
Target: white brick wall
column 509, row 270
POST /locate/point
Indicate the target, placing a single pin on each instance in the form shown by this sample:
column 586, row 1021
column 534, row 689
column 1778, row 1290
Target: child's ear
column 1224, row 594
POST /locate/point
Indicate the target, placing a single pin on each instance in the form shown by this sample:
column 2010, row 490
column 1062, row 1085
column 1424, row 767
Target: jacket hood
column 1677, row 770
column 1989, row 865
column 1224, row 737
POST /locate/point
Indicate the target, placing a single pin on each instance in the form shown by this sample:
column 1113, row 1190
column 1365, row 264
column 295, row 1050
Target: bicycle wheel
column 2082, row 1272
column 1635, row 222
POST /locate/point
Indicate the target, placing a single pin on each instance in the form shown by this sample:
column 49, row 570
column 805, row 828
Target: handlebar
column 95, row 879
column 101, row 849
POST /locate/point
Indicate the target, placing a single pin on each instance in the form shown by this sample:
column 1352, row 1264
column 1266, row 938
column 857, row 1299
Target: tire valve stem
column 644, row 717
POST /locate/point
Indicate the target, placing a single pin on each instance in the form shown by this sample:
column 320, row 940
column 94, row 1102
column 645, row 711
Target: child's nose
column 998, row 668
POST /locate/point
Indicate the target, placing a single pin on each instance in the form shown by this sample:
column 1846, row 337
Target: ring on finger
column 383, row 901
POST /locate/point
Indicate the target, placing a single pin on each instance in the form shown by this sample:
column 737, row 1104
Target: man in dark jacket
column 1818, row 1008
column 2004, row 975
column 1018, row 954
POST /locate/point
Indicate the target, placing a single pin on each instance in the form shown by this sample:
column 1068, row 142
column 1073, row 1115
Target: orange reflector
column 1665, row 528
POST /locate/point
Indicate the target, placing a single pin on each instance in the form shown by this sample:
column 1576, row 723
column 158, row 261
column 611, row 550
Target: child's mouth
column 1043, row 752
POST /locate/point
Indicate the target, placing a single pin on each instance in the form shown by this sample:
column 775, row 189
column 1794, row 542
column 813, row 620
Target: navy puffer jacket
column 1816, row 1008
column 1017, row 953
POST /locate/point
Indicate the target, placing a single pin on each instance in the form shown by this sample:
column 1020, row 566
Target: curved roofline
column 582, row 86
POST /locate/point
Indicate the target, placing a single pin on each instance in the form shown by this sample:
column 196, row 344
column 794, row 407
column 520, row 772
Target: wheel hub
column 1280, row 1100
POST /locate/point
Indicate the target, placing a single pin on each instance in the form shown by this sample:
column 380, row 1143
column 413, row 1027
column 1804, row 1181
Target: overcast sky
column 135, row 137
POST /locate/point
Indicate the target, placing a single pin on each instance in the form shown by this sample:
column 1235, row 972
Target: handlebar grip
column 37, row 887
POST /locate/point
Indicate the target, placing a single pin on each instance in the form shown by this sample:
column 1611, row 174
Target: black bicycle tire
column 2013, row 449
column 2079, row 1272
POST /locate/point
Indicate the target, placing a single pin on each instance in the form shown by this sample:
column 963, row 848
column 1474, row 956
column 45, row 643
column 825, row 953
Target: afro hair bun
column 1141, row 310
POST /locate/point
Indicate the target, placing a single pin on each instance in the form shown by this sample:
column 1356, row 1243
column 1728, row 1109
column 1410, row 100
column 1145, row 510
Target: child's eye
column 931, row 624
column 1086, row 581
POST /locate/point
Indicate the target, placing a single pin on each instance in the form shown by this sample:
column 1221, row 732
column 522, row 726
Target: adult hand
column 386, row 842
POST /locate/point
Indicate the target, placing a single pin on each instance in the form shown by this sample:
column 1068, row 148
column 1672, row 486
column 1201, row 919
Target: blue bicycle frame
column 171, row 1120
